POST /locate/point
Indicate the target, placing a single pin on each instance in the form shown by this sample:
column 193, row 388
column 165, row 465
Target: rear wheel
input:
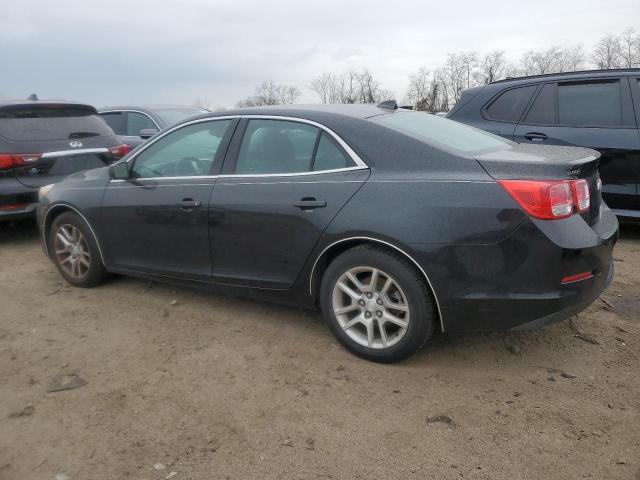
column 377, row 304
column 75, row 251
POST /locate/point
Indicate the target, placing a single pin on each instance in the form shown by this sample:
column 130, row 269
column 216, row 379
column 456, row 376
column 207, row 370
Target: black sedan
column 392, row 223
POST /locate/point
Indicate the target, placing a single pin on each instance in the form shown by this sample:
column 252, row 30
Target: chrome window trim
column 359, row 163
column 435, row 297
column 44, row 223
column 134, row 111
column 79, row 151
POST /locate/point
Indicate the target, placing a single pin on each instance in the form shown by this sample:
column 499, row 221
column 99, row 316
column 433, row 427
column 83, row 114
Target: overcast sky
column 128, row 51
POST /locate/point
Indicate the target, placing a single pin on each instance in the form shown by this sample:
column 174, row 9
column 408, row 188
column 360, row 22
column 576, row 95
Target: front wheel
column 377, row 304
column 75, row 251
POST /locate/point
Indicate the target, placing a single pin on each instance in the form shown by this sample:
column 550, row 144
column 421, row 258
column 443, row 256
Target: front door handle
column 188, row 204
column 310, row 203
column 535, row 136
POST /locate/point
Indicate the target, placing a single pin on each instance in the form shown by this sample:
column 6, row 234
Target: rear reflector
column 11, row 160
column 576, row 278
column 119, row 151
column 13, row 206
column 549, row 199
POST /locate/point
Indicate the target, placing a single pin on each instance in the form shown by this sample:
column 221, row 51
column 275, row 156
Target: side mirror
column 147, row 132
column 119, row 171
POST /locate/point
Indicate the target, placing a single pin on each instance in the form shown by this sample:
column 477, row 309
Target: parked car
column 393, row 223
column 43, row 141
column 592, row 109
column 136, row 124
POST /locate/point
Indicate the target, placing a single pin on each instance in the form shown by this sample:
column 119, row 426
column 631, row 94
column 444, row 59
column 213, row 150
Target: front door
column 157, row 220
column 287, row 181
column 596, row 114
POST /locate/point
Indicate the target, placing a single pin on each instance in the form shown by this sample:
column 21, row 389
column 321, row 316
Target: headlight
column 44, row 190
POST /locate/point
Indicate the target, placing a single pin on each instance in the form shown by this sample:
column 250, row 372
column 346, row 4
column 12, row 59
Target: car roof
column 566, row 75
column 310, row 111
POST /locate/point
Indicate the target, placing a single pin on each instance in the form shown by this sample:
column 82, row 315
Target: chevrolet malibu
column 394, row 224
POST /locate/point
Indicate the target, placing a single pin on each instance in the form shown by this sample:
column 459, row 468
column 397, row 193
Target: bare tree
column 419, row 89
column 349, row 87
column 493, row 66
column 608, row 52
column 572, row 58
column 630, row 48
column 269, row 93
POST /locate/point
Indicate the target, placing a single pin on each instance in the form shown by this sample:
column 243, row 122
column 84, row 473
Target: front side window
column 281, row 146
column 138, row 121
column 508, row 107
column 188, row 151
column 595, row 104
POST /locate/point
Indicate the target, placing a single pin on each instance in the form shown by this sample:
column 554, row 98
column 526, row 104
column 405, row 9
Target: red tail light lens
column 576, row 278
column 119, row 151
column 581, row 196
column 543, row 199
column 11, row 160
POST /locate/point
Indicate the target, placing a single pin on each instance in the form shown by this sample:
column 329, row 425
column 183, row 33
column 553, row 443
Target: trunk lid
column 546, row 162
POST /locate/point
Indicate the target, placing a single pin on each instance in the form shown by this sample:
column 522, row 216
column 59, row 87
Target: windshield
column 176, row 114
column 443, row 133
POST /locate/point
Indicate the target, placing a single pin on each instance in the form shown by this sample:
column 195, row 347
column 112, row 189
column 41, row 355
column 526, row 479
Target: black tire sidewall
column 423, row 318
column 96, row 273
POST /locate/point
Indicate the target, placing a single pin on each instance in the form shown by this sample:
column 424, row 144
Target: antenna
column 390, row 104
column 33, row 97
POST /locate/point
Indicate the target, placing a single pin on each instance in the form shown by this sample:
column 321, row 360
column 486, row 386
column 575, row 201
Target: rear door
column 287, row 179
column 157, row 220
column 502, row 113
column 595, row 113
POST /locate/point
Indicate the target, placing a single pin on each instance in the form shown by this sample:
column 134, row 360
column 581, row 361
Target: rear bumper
column 12, row 192
column 516, row 283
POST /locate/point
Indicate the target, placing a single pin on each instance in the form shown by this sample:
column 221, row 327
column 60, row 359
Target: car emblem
column 75, row 144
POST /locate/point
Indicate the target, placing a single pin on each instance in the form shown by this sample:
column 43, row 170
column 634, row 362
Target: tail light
column 581, row 196
column 549, row 199
column 119, row 151
column 11, row 160
column 576, row 277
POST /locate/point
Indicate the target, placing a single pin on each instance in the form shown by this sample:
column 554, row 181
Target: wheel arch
column 339, row 246
column 55, row 211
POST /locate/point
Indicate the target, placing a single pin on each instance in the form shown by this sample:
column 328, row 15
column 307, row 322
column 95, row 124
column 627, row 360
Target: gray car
column 136, row 123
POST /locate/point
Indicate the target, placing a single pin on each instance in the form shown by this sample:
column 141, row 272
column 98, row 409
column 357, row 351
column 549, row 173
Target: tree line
column 437, row 89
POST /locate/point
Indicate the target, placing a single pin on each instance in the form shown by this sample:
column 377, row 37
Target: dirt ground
column 212, row 387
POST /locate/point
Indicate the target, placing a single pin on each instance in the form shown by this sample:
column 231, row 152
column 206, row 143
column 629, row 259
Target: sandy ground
column 220, row 388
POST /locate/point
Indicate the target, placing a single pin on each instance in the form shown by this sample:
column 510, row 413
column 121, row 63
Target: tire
column 70, row 236
column 353, row 328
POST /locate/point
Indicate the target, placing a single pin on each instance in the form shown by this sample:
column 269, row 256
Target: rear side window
column 138, row 121
column 596, row 104
column 276, row 146
column 116, row 121
column 508, row 107
column 50, row 122
column 543, row 110
column 443, row 133
column 328, row 155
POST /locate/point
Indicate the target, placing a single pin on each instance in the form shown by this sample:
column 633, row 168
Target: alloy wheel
column 371, row 307
column 72, row 251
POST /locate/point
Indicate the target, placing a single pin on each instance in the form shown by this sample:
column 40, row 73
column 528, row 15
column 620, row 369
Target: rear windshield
column 50, row 122
column 443, row 133
column 174, row 115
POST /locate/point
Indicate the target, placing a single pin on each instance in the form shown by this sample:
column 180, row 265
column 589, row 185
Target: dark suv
column 43, row 141
column 599, row 109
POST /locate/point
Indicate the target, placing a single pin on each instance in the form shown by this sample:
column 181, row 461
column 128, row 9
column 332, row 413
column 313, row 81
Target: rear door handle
column 535, row 136
column 309, row 203
column 188, row 204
